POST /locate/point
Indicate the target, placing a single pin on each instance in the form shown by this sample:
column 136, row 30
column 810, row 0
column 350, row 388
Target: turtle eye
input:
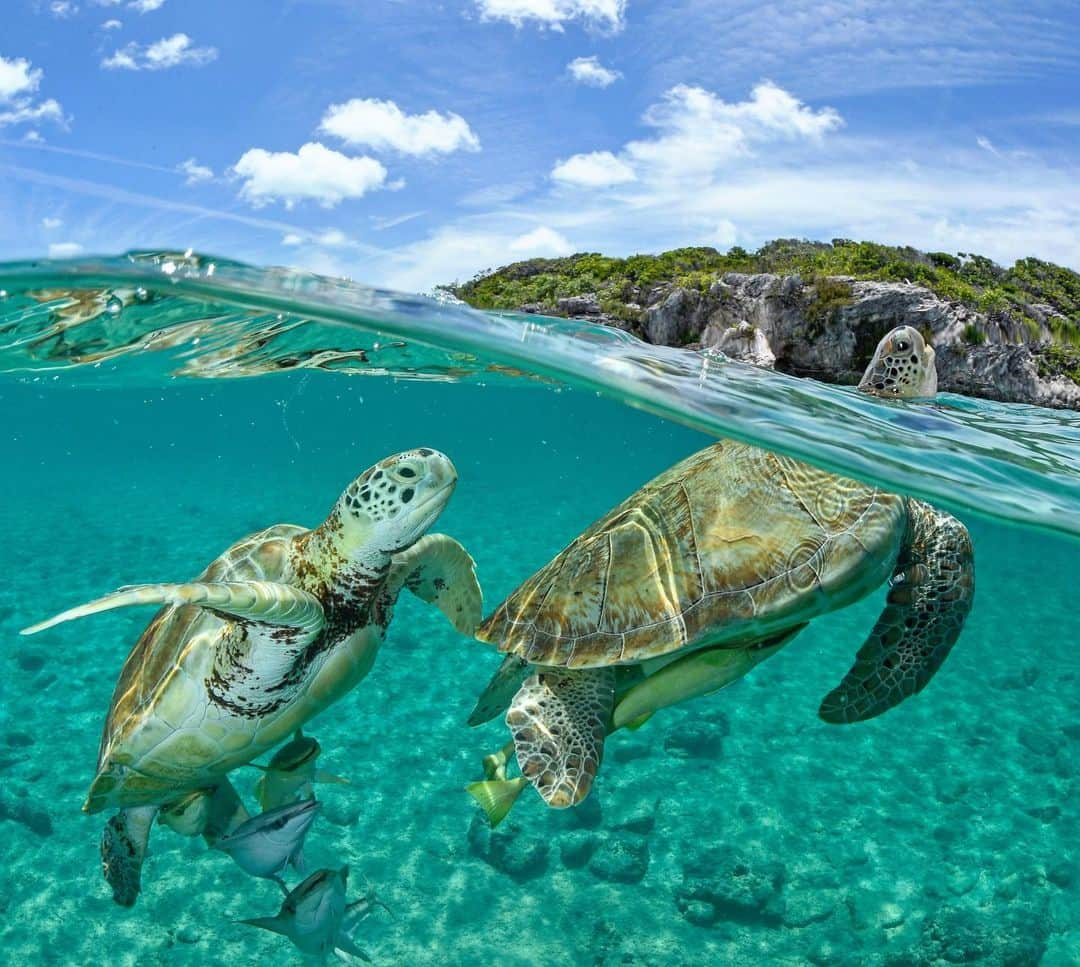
column 903, row 345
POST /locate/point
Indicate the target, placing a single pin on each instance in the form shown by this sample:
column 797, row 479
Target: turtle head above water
column 903, row 366
column 394, row 502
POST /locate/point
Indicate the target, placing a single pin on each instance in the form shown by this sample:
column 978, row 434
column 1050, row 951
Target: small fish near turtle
column 280, row 626
column 292, row 772
column 706, row 571
column 317, row 918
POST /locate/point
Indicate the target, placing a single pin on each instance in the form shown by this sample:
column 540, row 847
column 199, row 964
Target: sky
column 409, row 143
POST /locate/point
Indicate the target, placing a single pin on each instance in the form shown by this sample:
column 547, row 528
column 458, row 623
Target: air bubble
column 141, row 295
column 114, row 306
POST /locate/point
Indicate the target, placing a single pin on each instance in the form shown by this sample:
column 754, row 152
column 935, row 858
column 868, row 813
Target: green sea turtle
column 696, row 578
column 902, row 366
column 281, row 625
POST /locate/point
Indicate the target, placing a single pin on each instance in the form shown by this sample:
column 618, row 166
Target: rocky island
column 818, row 309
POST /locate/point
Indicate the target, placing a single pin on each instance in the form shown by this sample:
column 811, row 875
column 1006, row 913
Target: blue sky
column 407, row 143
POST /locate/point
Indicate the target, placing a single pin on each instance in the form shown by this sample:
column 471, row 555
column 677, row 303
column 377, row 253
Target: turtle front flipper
column 123, row 849
column 499, row 692
column 559, row 718
column 260, row 601
column 438, row 570
column 928, row 601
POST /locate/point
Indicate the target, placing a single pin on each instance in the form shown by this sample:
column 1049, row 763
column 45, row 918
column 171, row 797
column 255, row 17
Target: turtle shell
column 732, row 545
column 153, row 692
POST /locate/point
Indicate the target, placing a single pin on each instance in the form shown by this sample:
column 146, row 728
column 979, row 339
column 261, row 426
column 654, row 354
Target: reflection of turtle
column 283, row 623
column 693, row 580
column 903, row 366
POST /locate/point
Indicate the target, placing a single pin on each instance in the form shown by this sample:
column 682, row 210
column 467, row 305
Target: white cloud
column 540, row 241
column 23, row 112
column 17, row 78
column 598, row 169
column 51, row 223
column 314, row 173
column 33, row 137
column 64, row 250
column 382, row 124
column 699, row 131
column 554, row 13
column 331, row 238
column 986, row 144
column 195, row 172
column 161, row 55
column 589, row 71
column 63, row 9
column 111, row 25
column 107, row 3
column 146, row 6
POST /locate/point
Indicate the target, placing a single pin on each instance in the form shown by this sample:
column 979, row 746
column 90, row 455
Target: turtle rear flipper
column 438, row 570
column 926, row 607
column 559, row 718
column 262, row 602
column 123, row 849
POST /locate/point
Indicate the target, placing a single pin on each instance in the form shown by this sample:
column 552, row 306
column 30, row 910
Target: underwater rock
column 694, row 740
column 1061, row 872
column 1023, row 678
column 22, row 811
column 738, row 887
column 803, row 907
column 641, row 820
column 1038, row 741
column 510, row 849
column 576, row 848
column 30, row 661
column 586, row 815
column 1001, row 937
column 341, row 810
column 621, row 858
column 19, row 740
column 1061, row 950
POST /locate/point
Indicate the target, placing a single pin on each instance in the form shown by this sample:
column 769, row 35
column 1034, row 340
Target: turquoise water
column 738, row 829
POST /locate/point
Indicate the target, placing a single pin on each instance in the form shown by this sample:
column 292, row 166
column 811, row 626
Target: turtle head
column 903, row 366
column 392, row 504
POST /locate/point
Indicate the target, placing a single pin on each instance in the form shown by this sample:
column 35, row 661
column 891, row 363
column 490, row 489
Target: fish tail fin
column 345, row 942
column 496, row 796
column 323, row 776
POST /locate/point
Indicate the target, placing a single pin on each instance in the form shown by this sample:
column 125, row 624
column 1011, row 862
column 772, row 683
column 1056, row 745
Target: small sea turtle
column 704, row 572
column 282, row 624
column 903, row 366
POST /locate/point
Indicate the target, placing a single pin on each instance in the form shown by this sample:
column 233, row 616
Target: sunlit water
column 738, row 829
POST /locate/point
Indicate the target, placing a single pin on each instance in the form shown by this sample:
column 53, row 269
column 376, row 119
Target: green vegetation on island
column 1025, row 292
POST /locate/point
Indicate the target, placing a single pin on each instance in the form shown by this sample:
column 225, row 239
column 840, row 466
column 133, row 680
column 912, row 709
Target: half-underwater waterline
column 738, row 828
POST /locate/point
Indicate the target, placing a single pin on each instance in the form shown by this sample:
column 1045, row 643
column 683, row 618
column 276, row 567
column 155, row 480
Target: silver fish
column 267, row 843
column 316, row 917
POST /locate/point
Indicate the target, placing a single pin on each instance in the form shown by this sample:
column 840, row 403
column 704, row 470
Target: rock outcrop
column 829, row 329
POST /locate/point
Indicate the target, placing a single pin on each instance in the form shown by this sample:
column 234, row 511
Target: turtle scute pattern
column 559, row 719
column 928, row 601
column 168, row 646
column 732, row 537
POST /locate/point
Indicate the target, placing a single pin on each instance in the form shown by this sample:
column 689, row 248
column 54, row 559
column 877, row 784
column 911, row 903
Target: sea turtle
column 281, row 625
column 690, row 582
column 903, row 366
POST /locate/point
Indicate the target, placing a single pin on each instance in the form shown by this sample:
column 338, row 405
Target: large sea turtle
column 282, row 624
column 704, row 572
